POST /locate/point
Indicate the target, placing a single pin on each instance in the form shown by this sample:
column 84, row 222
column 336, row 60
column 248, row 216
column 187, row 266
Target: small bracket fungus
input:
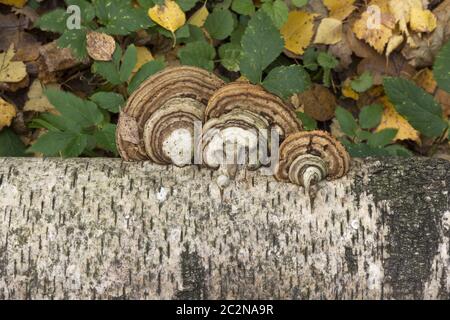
column 310, row 156
column 157, row 122
column 238, row 121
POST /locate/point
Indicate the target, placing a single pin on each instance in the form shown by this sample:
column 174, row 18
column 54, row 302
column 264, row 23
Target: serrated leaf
column 285, row 81
column 298, row 31
column 261, row 45
column 219, row 24
column 327, row 60
column 110, row 101
column 146, row 71
column 362, row 150
column 128, row 62
column 308, row 122
column 244, row 7
column 84, row 113
column 381, row 138
column 75, row 40
column 10, row 144
column 363, row 82
column 55, row 143
column 398, row 151
column 370, row 116
column 441, row 67
column 53, row 21
column 229, row 54
column 277, row 11
column 169, row 15
column 416, row 105
column 200, row 54
column 106, row 138
column 346, row 121
column 186, row 5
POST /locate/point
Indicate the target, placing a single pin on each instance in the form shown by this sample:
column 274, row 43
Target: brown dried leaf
column 100, row 46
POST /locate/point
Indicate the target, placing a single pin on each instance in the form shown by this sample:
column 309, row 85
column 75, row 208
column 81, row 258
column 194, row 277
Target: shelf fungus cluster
column 186, row 115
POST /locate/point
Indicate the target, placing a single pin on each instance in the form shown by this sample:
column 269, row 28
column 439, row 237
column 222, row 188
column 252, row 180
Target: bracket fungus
column 157, row 122
column 308, row 157
column 238, row 126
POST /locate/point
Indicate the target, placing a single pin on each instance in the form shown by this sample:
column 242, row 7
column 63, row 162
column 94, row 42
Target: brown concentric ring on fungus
column 254, row 98
column 309, row 156
column 175, row 82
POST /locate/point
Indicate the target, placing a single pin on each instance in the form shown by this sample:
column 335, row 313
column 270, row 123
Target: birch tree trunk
column 102, row 228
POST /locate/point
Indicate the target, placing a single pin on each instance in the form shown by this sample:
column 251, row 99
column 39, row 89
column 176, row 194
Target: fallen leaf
column 340, row 9
column 15, row 3
column 11, row 71
column 425, row 79
column 37, row 101
column 298, row 31
column 392, row 119
column 54, row 59
column 377, row 37
column 169, row 15
column 100, row 46
column 199, row 17
column 347, row 90
column 422, row 20
column 143, row 56
column 318, row 102
column 329, row 31
column 394, row 42
column 7, row 113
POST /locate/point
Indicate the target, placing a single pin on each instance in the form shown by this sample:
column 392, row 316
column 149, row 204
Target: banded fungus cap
column 157, row 121
column 245, row 96
column 310, row 156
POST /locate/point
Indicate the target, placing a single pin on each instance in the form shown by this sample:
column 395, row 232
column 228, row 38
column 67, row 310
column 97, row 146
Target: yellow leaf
column 329, row 31
column 425, row 79
column 15, row 3
column 143, row 56
column 7, row 113
column 11, row 71
column 377, row 37
column 169, row 15
column 347, row 90
column 392, row 119
column 37, row 101
column 199, row 17
column 298, row 30
column 339, row 9
column 422, row 20
column 393, row 44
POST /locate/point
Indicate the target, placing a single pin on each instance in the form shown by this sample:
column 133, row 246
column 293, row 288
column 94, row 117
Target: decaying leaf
column 347, row 90
column 340, row 9
column 169, row 15
column 394, row 42
column 100, row 46
column 54, row 59
column 37, row 101
column 11, row 71
column 199, row 17
column 422, row 20
column 7, row 113
column 329, row 31
column 392, row 119
column 15, row 3
column 298, row 31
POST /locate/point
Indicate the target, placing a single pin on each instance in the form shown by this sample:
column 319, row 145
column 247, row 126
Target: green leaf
column 55, row 123
column 370, row 116
column 245, row 7
column 346, row 121
column 144, row 72
column 308, row 123
column 362, row 150
column 186, row 5
column 85, row 113
column 441, row 67
column 285, row 81
column 229, row 54
column 110, row 101
column 54, row 21
column 261, row 45
column 106, row 138
column 200, row 54
column 55, row 143
column 299, row 3
column 109, row 70
column 310, row 59
column 75, row 40
column 327, row 60
column 10, row 144
column 277, row 10
column 381, row 138
column 363, row 82
column 129, row 61
column 219, row 24
column 398, row 151
column 416, row 105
